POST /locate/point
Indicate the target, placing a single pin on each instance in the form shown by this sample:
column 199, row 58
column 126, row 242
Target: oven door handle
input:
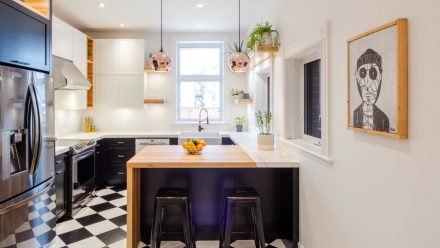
column 83, row 156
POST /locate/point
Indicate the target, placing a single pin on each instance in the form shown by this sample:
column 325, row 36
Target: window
column 199, row 80
column 312, row 98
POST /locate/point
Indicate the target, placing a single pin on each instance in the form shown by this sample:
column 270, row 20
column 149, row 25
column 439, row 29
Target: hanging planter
column 263, row 35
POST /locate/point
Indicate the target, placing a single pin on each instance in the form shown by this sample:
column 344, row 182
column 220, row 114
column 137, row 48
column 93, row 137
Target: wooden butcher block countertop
column 213, row 156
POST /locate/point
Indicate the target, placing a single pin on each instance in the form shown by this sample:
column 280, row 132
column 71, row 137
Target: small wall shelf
column 90, row 71
column 154, row 101
column 267, row 49
column 245, row 101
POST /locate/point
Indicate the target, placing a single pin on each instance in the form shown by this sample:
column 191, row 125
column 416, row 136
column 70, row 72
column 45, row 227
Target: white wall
column 163, row 117
column 380, row 192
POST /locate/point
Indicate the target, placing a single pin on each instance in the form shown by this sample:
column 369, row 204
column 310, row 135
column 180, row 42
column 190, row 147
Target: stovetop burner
column 76, row 146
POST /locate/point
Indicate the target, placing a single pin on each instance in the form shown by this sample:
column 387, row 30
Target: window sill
column 308, row 147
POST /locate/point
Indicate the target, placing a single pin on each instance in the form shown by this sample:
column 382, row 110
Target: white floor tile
column 92, row 242
column 278, row 243
column 67, row 226
column 172, row 244
column 57, row 242
column 25, row 226
column 104, row 192
column 40, row 229
column 101, row 227
column 243, row 244
column 119, row 202
column 124, row 192
column 207, row 244
column 112, row 213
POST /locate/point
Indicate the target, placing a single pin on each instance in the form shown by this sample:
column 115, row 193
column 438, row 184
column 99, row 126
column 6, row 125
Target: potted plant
column 239, row 123
column 265, row 138
column 237, row 94
column 263, row 34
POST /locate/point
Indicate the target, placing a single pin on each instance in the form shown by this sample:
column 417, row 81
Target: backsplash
column 68, row 122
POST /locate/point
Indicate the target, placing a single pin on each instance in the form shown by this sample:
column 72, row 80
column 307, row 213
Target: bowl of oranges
column 194, row 146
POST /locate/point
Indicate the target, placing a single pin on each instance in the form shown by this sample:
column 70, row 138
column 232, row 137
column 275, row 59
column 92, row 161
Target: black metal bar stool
column 241, row 197
column 172, row 197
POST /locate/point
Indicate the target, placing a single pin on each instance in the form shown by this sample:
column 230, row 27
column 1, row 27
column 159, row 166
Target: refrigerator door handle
column 36, row 139
column 26, row 197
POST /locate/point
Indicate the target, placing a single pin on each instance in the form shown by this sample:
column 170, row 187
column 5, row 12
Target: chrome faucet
column 200, row 116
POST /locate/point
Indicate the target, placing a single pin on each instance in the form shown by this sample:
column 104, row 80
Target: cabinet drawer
column 120, row 155
column 120, row 143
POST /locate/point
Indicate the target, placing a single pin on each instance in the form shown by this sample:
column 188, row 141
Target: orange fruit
column 199, row 147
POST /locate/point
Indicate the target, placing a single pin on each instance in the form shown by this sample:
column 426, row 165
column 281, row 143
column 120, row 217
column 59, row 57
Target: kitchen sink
column 211, row 138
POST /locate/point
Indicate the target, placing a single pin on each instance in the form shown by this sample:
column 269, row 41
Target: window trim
column 196, row 78
column 294, row 54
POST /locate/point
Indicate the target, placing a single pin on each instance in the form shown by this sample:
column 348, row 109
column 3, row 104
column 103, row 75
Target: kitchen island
column 274, row 176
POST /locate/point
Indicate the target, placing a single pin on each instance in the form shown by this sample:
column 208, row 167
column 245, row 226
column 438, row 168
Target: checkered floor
column 103, row 224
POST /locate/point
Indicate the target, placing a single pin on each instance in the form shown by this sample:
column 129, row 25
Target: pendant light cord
column 161, row 13
column 239, row 31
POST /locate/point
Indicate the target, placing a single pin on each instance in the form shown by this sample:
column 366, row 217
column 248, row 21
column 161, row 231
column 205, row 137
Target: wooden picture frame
column 377, row 81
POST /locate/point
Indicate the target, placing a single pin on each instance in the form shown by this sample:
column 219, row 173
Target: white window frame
column 307, row 59
column 315, row 46
column 195, row 78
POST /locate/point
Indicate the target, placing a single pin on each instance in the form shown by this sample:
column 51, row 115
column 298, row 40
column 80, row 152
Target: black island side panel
column 278, row 189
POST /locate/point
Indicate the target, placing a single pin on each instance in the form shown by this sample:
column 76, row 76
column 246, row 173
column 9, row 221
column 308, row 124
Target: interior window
column 312, row 98
column 199, row 80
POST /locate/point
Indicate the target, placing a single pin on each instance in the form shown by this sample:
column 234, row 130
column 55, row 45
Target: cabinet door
column 131, row 91
column 131, row 56
column 80, row 51
column 107, row 91
column 62, row 37
column 24, row 37
column 107, row 56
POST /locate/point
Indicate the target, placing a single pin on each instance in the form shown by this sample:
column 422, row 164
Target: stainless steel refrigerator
column 27, row 193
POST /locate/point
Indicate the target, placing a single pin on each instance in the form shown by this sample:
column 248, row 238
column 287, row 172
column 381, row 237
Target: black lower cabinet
column 61, row 184
column 111, row 159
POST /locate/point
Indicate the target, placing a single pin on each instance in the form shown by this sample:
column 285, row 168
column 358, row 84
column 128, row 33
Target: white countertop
column 247, row 141
column 61, row 149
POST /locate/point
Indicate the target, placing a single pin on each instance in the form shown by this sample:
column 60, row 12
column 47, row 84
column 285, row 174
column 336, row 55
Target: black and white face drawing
column 368, row 76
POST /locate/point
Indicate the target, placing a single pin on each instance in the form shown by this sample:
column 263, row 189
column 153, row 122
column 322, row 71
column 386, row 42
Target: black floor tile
column 90, row 219
column 74, row 236
column 119, row 188
column 102, row 207
column 119, row 221
column 23, row 236
column 124, row 208
column 112, row 197
column 112, row 236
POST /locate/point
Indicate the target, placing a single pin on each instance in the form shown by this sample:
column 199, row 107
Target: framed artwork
column 378, row 80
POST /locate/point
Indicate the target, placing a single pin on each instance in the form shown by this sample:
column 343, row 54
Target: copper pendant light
column 161, row 61
column 239, row 61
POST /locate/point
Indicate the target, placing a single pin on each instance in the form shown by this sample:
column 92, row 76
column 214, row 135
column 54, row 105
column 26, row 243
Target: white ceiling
column 179, row 15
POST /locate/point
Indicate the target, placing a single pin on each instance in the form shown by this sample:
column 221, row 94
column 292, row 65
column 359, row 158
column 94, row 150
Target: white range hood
column 67, row 76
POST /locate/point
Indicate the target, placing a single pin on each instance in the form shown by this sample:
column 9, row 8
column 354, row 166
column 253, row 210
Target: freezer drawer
column 29, row 220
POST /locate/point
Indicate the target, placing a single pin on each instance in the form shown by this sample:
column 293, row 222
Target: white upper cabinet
column 106, row 91
column 69, row 43
column 131, row 56
column 62, row 39
column 107, row 56
column 119, row 67
column 80, row 51
column 119, row 56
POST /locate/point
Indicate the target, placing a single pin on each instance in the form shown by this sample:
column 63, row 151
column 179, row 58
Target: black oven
column 82, row 178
